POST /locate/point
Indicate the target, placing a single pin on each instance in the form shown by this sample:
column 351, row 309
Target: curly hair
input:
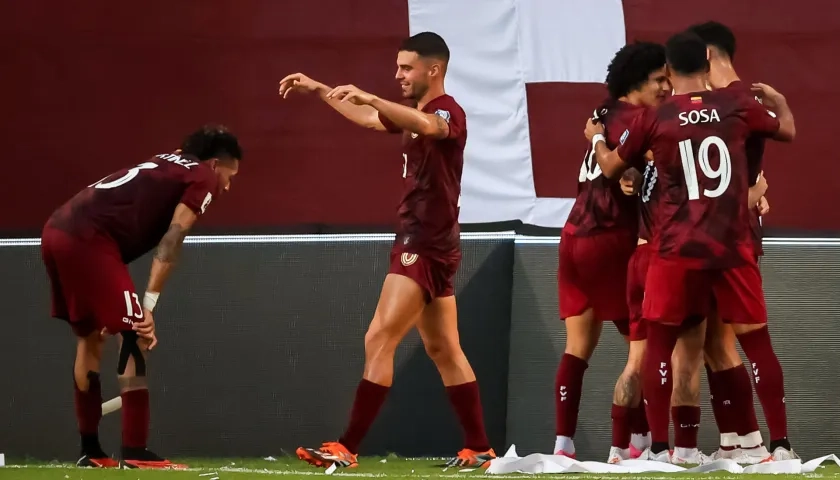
column 631, row 67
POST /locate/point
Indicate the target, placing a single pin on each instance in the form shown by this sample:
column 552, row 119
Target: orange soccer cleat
column 330, row 453
column 471, row 459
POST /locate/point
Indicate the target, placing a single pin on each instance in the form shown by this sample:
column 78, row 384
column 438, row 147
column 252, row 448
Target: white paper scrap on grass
column 539, row 463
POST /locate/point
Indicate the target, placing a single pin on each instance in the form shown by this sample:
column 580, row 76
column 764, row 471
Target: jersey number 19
column 723, row 171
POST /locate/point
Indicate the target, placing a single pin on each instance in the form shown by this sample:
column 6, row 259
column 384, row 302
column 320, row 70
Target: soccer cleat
column 782, row 453
column 145, row 459
column 471, row 459
column 565, row 454
column 97, row 460
column 618, row 454
column 330, row 453
column 663, row 456
column 722, row 454
column 634, row 452
column 682, row 456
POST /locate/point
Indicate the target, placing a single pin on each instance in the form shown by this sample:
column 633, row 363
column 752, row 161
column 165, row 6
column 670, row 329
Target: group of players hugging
column 663, row 240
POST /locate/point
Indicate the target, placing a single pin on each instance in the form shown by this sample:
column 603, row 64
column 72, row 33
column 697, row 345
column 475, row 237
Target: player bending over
column 597, row 241
column 418, row 290
column 703, row 243
column 754, row 338
column 86, row 245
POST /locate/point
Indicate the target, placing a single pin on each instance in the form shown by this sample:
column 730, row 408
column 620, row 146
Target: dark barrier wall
column 801, row 284
column 261, row 348
column 96, row 86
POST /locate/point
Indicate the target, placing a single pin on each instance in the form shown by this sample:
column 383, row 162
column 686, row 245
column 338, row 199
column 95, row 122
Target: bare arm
column 757, row 191
column 411, row 119
column 169, row 248
column 362, row 115
column 787, row 127
column 611, row 164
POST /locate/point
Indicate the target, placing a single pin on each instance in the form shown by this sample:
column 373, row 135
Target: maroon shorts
column 91, row 286
column 436, row 276
column 636, row 274
column 675, row 292
column 593, row 274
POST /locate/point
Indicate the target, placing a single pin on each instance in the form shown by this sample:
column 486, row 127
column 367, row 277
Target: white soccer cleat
column 753, row 456
column 682, row 456
column 663, row 456
column 618, row 454
column 781, row 454
column 721, row 454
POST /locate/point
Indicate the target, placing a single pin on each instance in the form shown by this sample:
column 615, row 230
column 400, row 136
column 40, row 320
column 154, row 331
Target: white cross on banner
column 498, row 47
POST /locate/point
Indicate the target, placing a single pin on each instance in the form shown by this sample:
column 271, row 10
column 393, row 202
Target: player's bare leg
column 88, row 400
column 438, row 328
column 134, row 391
column 687, row 359
column 582, row 335
column 627, row 397
column 400, row 305
column 769, row 384
column 731, row 397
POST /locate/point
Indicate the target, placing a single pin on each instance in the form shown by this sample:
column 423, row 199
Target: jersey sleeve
column 200, row 189
column 760, row 121
column 390, row 126
column 635, row 141
column 451, row 113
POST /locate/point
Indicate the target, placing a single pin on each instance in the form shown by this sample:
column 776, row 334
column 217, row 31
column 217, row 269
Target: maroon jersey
column 647, row 202
column 600, row 204
column 431, row 194
column 134, row 206
column 755, row 154
column 698, row 143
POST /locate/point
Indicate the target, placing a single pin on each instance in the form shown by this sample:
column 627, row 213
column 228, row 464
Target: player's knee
column 443, row 350
column 129, row 383
column 379, row 342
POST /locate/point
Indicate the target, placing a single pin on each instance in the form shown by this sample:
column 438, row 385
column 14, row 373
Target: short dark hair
column 426, row 44
column 632, row 65
column 686, row 53
column 717, row 35
column 212, row 141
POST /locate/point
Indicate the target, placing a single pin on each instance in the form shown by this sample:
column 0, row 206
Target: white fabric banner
column 497, row 47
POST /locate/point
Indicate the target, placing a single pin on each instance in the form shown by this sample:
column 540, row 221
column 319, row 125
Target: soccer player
column 597, row 241
column 754, row 338
column 86, row 245
column 418, row 290
column 703, row 243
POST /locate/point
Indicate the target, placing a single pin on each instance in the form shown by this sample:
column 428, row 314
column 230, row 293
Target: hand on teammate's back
column 146, row 330
column 763, row 206
column 297, row 82
column 770, row 97
column 593, row 129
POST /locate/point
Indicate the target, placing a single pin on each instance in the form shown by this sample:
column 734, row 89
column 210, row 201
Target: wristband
column 150, row 300
column 598, row 137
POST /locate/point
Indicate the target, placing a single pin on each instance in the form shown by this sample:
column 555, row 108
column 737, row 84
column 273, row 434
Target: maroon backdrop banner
column 94, row 86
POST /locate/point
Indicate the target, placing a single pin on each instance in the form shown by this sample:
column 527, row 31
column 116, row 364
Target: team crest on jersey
column 408, row 259
column 414, row 135
column 624, row 136
column 444, row 114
